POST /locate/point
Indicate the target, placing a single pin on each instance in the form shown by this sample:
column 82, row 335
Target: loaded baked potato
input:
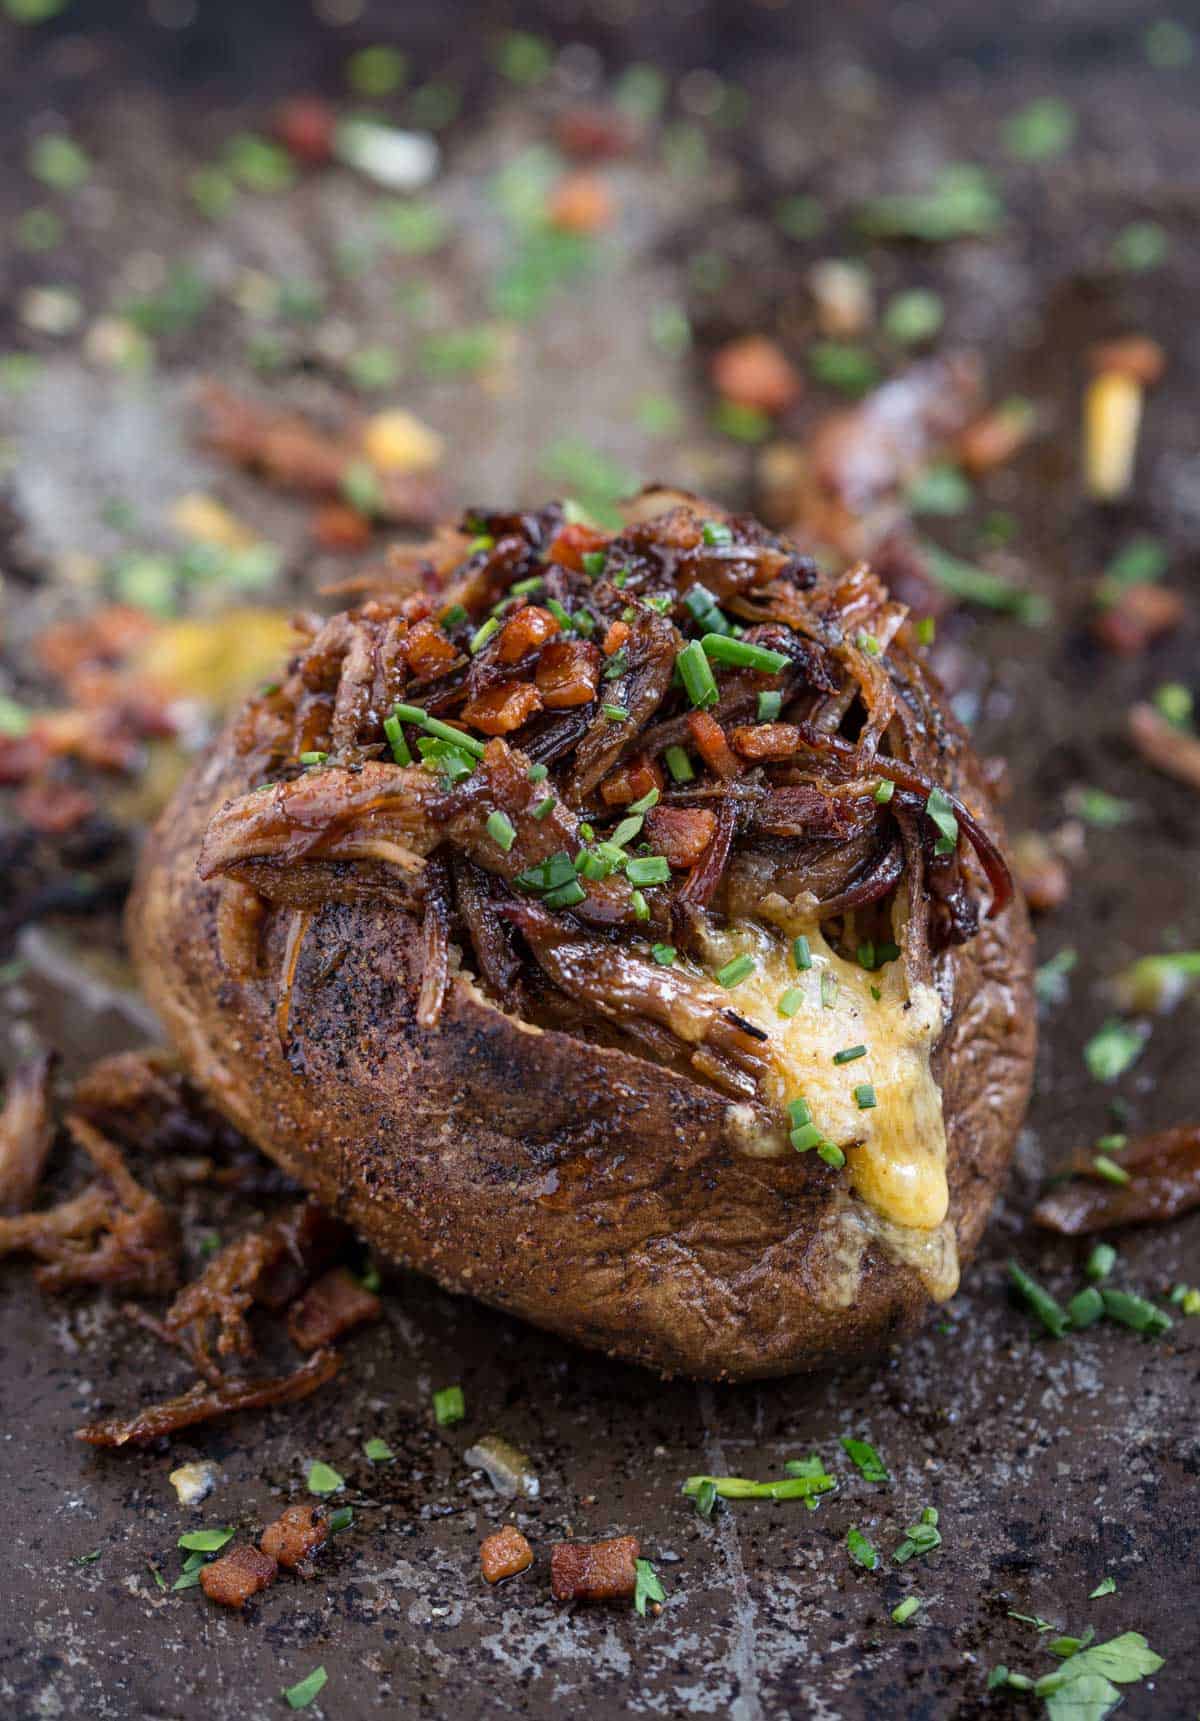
column 614, row 928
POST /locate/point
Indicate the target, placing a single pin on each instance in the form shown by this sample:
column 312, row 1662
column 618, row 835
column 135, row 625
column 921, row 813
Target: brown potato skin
column 580, row 1187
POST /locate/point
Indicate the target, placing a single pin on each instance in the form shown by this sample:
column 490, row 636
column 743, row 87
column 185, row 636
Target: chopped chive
column 205, row 1541
column 587, row 832
column 454, row 615
column 884, row 790
column 323, row 1478
column 1047, row 1309
column 801, row 953
column 537, row 773
column 409, row 713
column 523, row 587
column 300, row 1695
column 617, row 664
column 864, row 1097
column 867, row 642
column 395, row 740
column 559, row 612
column 565, row 896
column 616, row 713
column 1106, row 1587
column 457, row 737
column 679, row 765
column 791, row 1001
column 1085, row 1307
column 1101, row 1261
column 735, row 971
column 648, row 800
column 449, row 1405
column 544, row 808
column 313, row 758
column 706, row 1497
column 648, row 869
column 705, row 611
column 482, row 634
column 941, row 811
column 501, row 830
column 593, row 562
column 585, row 623
column 1112, row 1143
column 769, row 706
column 626, row 831
column 716, row 532
column 722, row 649
column 377, row 1451
column 831, row 1154
column 664, row 954
column 848, row 1054
column 903, row 1611
column 1136, row 1312
column 799, row 1112
column 591, row 865
column 641, row 908
column 925, row 630
column 829, row 989
column 697, row 676
column 862, row 1551
column 1109, row 1169
column 806, row 1137
column 341, row 1519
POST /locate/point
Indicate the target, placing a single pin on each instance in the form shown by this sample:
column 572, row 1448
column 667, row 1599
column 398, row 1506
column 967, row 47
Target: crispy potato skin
column 580, row 1187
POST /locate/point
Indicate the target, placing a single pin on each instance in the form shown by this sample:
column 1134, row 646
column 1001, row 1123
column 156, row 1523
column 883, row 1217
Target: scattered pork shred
column 334, row 1306
column 594, row 1571
column 1164, row 1182
column 202, row 1402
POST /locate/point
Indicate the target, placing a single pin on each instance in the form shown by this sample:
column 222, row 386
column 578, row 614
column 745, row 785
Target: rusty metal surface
column 1052, row 1465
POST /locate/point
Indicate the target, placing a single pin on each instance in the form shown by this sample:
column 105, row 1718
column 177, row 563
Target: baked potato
column 615, row 928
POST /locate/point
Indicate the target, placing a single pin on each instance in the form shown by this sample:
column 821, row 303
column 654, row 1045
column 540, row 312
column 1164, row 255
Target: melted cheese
column 896, row 1150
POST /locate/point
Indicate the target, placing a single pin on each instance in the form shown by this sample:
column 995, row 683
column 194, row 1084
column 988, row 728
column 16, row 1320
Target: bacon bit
column 581, row 203
column 766, row 740
column 573, row 543
column 754, row 371
column 52, row 808
column 296, row 1535
column 712, row 746
column 338, row 526
column 629, row 782
column 594, row 1571
column 1043, row 879
column 680, row 833
column 1140, row 615
column 592, row 134
column 995, row 437
column 617, row 636
column 26, row 1133
column 502, row 709
column 336, row 1304
column 305, row 126
column 428, row 650
column 237, row 1576
column 1164, row 1182
column 504, row 1554
column 1135, row 356
column 568, row 673
column 525, row 632
column 203, row 1401
column 1166, row 747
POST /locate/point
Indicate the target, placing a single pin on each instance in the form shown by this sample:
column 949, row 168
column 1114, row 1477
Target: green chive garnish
column 664, row 954
column 1109, row 1169
column 648, row 800
column 735, row 971
column 449, row 1405
column 799, row 1112
column 454, row 615
column 313, row 758
column 790, row 1002
column 801, row 953
column 848, row 1054
column 1085, row 1307
column 482, row 634
column 806, row 1137
column 593, row 562
column 831, row 1154
column 501, row 830
column 697, row 676
column 616, row 713
column 829, row 989
column 941, row 811
column 679, row 765
column 716, row 532
column 538, row 773
column 523, row 587
column 626, row 831
column 769, row 706
column 740, row 653
column 456, row 737
column 566, row 895
column 1101, row 1261
column 395, row 740
column 544, row 807
column 1136, row 1312
column 864, row 1097
column 903, row 1611
column 884, row 791
column 641, row 908
column 1050, row 1312
column 648, row 869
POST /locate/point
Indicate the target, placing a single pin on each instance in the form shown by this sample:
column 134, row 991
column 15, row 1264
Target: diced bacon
column 295, row 1535
column 616, row 637
column 331, row 1307
column 680, row 833
column 630, row 782
column 575, row 542
column 502, row 709
column 568, row 674
column 428, row 650
column 237, row 1576
column 766, row 740
column 594, row 1571
column 712, row 746
column 504, row 1554
column 524, row 632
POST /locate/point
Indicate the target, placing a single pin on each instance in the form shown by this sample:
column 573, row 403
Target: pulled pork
column 753, row 729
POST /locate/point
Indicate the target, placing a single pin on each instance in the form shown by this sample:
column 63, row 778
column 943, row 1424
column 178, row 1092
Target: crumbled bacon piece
column 760, row 741
column 500, row 710
column 1164, row 1183
column 994, row 437
column 504, row 1554
column 428, row 650
column 331, row 1307
column 711, row 744
column 573, row 543
column 568, row 674
column 756, row 372
column 630, row 782
column 594, row 1571
column 295, row 1535
column 616, row 637
column 680, row 833
column 237, row 1576
column 524, row 632
column 1140, row 615
column 305, row 126
column 581, row 203
column 1044, row 880
column 592, row 134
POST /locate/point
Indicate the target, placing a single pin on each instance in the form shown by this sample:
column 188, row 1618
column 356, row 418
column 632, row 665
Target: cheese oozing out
column 895, row 1150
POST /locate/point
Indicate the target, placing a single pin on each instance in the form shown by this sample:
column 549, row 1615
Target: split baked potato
column 615, row 928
